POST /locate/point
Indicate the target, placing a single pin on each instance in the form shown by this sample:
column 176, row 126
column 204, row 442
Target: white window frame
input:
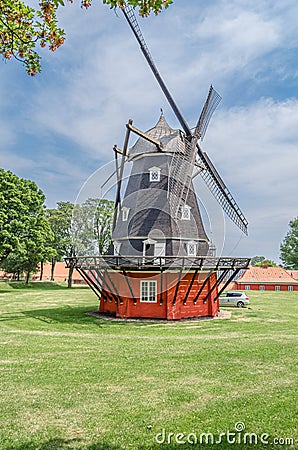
column 247, row 287
column 125, row 212
column 117, row 246
column 185, row 212
column 148, row 291
column 147, row 242
column 277, row 288
column 290, row 288
column 190, row 245
column 159, row 250
column 262, row 288
column 212, row 249
column 154, row 174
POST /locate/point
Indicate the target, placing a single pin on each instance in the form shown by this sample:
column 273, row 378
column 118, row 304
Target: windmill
column 160, row 263
column 209, row 175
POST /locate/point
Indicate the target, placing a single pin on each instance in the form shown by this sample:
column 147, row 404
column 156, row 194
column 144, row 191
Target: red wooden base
column 120, row 295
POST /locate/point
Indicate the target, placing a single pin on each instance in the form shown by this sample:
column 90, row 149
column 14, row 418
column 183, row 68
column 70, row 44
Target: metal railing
column 157, row 262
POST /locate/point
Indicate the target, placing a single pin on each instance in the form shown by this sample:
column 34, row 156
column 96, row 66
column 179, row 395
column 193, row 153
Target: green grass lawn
column 73, row 381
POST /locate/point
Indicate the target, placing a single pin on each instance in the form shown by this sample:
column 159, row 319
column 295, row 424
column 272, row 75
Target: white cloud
column 239, row 36
column 255, row 148
column 104, row 79
column 72, row 114
column 261, row 141
column 14, row 162
column 7, row 135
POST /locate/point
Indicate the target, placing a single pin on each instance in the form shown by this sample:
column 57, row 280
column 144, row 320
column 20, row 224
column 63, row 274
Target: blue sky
column 60, row 127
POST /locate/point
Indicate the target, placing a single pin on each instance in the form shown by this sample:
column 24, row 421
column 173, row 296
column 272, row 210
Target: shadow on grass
column 75, row 444
column 79, row 315
column 62, row 444
column 40, row 285
column 51, row 444
column 70, row 315
column 65, row 314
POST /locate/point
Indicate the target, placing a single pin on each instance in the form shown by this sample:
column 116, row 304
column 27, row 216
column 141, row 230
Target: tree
column 265, row 263
column 24, row 229
column 80, row 230
column 256, row 259
column 27, row 259
column 289, row 246
column 60, row 222
column 92, row 226
column 23, row 28
column 14, row 265
column 103, row 224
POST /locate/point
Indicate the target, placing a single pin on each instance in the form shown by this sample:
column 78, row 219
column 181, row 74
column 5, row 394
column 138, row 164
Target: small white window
column 277, row 288
column 116, row 248
column 262, row 288
column 191, row 248
column 185, row 212
column 212, row 250
column 247, row 287
column 290, row 288
column 125, row 212
column 154, row 174
column 148, row 291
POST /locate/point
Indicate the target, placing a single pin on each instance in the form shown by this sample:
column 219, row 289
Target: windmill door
column 159, row 250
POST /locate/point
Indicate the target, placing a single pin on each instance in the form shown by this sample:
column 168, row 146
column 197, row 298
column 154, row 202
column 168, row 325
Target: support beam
column 190, row 286
column 117, row 150
column 119, row 182
column 145, row 136
column 177, row 286
column 100, row 280
column 217, row 283
column 109, row 291
column 228, row 281
column 129, row 286
column 90, row 282
column 203, row 285
column 97, row 276
column 115, row 293
column 161, row 287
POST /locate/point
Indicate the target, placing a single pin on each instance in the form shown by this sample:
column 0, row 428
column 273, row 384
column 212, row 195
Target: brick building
column 266, row 279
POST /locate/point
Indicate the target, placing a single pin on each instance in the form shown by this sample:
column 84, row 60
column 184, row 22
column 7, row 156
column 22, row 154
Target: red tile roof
column 270, row 275
column 293, row 274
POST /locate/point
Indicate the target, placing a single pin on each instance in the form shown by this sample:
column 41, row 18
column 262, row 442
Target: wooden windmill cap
column 170, row 138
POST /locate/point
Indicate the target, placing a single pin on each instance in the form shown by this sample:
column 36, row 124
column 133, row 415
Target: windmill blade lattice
column 221, row 192
column 213, row 100
column 180, row 175
column 129, row 14
column 210, row 175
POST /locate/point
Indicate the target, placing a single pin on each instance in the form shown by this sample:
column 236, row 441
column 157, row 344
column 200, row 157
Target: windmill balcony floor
column 170, row 288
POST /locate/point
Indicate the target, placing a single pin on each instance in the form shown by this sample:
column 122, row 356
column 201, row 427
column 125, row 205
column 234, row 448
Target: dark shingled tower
column 146, row 224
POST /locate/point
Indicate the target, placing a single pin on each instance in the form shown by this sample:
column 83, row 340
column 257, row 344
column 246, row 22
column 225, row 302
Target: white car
column 233, row 298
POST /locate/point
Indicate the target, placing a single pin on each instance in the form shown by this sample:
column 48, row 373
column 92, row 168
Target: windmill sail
column 213, row 99
column 210, row 174
column 221, row 192
column 129, row 14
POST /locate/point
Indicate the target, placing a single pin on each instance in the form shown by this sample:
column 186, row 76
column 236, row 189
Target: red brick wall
column 268, row 287
column 166, row 307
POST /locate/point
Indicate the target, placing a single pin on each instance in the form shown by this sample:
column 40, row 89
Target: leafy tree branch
column 23, row 29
